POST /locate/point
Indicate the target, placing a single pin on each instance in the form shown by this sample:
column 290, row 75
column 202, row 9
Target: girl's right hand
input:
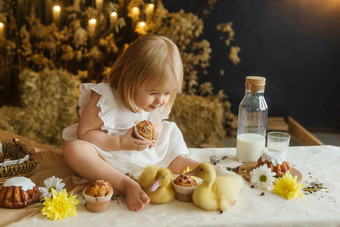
column 127, row 142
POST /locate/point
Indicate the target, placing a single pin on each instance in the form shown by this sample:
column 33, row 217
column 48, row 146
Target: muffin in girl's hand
column 144, row 130
column 98, row 196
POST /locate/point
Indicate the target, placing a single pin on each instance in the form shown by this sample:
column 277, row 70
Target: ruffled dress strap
column 107, row 104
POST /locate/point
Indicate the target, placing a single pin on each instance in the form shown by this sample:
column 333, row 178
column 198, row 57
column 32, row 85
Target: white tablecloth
column 317, row 209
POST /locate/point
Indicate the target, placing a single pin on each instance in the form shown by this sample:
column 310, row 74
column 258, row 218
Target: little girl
column 144, row 82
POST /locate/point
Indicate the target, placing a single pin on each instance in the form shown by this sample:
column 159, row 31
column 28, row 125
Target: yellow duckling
column 157, row 184
column 216, row 192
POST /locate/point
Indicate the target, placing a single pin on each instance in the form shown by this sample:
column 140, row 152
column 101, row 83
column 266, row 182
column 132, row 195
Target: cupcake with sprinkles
column 185, row 185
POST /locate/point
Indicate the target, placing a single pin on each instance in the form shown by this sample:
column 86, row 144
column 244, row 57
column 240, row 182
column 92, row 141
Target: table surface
column 316, row 163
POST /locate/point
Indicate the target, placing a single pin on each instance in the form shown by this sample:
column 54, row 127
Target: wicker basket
column 15, row 151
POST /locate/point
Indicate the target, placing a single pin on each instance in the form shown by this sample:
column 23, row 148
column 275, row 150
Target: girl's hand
column 154, row 141
column 127, row 142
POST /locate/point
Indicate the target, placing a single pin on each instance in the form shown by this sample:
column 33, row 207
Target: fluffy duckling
column 147, row 177
column 157, row 184
column 216, row 192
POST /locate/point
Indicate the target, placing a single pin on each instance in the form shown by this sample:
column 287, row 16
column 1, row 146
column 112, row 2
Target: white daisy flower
column 262, row 177
column 52, row 182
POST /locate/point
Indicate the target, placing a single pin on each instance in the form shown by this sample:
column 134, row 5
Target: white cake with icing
column 274, row 157
column 23, row 182
column 18, row 192
column 275, row 161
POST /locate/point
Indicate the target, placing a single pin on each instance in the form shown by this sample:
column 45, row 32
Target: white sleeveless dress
column 118, row 120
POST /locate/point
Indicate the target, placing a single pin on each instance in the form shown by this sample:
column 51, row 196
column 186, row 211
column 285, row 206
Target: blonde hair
column 149, row 57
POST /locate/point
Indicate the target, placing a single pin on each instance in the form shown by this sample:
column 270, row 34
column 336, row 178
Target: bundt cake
column 275, row 161
column 18, row 192
column 145, row 130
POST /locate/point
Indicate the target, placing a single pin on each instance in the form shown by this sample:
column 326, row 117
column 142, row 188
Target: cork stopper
column 255, row 83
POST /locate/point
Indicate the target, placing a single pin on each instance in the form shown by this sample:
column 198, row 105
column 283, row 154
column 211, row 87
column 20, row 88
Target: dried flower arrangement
column 44, row 62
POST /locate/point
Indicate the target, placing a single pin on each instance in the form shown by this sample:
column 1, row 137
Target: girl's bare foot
column 136, row 198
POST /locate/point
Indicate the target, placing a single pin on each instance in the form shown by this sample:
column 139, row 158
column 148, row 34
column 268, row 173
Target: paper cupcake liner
column 183, row 197
column 184, row 190
column 97, row 204
column 136, row 133
column 97, row 207
column 97, row 199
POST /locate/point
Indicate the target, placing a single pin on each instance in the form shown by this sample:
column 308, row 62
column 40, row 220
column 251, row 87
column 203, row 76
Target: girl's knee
column 69, row 149
column 77, row 148
column 72, row 149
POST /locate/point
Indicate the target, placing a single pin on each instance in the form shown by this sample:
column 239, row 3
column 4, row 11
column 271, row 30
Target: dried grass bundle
column 200, row 119
column 49, row 101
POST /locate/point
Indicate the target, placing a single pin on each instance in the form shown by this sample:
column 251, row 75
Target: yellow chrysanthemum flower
column 60, row 206
column 287, row 187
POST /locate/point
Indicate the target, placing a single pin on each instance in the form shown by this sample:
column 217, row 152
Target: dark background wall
column 295, row 44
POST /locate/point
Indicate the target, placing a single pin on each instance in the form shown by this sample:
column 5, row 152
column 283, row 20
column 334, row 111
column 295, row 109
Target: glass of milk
column 278, row 142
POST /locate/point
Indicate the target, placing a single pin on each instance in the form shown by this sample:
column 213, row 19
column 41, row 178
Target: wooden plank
column 303, row 135
column 277, row 124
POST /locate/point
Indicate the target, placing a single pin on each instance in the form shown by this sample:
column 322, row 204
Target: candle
column 113, row 17
column 92, row 26
column 56, row 14
column 135, row 11
column 134, row 14
column 149, row 11
column 2, row 30
column 141, row 28
column 99, row 5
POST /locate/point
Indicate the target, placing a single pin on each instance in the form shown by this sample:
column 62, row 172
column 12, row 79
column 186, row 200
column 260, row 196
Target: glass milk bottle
column 252, row 121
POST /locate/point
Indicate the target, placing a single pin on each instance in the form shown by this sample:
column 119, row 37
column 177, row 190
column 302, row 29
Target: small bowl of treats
column 98, row 196
column 184, row 186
